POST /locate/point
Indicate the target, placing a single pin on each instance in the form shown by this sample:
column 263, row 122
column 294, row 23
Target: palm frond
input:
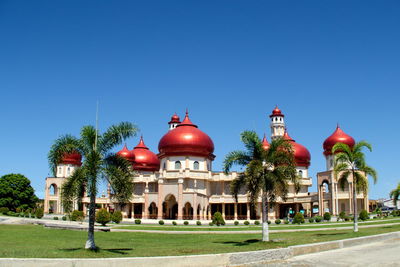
column 340, row 167
column 115, row 135
column 341, row 147
column 73, row 188
column 88, row 137
column 360, row 145
column 343, row 178
column 237, row 184
column 252, row 143
column 63, row 145
column 240, row 158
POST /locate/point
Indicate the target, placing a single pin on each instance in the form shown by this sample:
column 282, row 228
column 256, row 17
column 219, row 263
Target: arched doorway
column 53, row 190
column 188, row 211
column 153, row 211
column 170, row 207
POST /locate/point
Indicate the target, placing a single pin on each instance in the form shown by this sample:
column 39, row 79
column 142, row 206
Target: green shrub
column 173, row 222
column 55, row 218
column 298, row 218
column 198, row 222
column 236, row 223
column 246, row 222
column 286, row 221
column 161, row 222
column 256, row 222
column 64, row 218
column 138, row 221
column 4, row 210
column 217, row 219
column 364, row 215
column 342, row 215
column 103, row 217
column 311, row 219
column 269, row 222
column 211, row 224
column 116, row 216
column 347, row 218
column 277, row 221
column 327, row 216
column 77, row 215
column 39, row 213
column 11, row 213
column 185, row 222
column 318, row 219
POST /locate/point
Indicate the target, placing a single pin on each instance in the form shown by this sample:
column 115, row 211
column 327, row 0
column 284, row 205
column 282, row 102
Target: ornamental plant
column 103, row 217
column 318, row 219
column 256, row 222
column 311, row 219
column 174, row 223
column 236, row 223
column 186, row 223
column 217, row 219
column 298, row 218
column 246, row 222
column 364, row 215
column 278, row 221
column 116, row 216
column 327, row 216
column 198, row 223
column 39, row 213
column 4, row 210
column 138, row 221
column 77, row 215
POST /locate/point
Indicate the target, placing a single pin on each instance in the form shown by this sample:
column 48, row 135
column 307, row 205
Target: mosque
column 179, row 183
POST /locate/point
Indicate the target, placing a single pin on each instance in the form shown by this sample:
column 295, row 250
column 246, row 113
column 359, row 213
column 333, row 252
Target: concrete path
column 249, row 231
column 384, row 253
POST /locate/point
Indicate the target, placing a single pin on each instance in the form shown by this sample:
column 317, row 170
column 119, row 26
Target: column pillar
column 235, row 211
column 195, row 217
column 133, row 211
column 209, row 212
column 223, row 211
column 248, row 211
column 180, row 198
column 146, row 202
column 160, row 199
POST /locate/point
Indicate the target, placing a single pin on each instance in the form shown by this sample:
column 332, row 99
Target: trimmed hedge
column 103, row 217
column 278, row 221
column 116, row 216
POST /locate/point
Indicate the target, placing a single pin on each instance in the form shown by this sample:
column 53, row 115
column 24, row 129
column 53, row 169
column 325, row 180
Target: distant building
column 178, row 182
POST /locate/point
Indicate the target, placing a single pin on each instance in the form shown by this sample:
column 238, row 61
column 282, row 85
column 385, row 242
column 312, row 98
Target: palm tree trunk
column 92, row 213
column 355, row 205
column 265, row 230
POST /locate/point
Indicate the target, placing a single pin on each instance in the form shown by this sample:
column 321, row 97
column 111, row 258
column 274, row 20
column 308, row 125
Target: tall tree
column 98, row 164
column 350, row 163
column 16, row 192
column 268, row 171
column 395, row 194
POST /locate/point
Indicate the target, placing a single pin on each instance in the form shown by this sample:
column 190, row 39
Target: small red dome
column 74, row 158
column 145, row 160
column 265, row 143
column 186, row 139
column 276, row 113
column 338, row 136
column 301, row 154
column 174, row 119
column 126, row 153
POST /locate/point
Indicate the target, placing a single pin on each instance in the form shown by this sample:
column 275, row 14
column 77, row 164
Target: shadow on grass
column 239, row 244
column 121, row 251
column 328, row 234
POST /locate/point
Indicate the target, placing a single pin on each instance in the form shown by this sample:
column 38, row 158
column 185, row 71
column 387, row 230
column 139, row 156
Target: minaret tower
column 175, row 121
column 277, row 123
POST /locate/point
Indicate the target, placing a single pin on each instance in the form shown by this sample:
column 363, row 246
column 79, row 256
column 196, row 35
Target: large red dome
column 186, row 139
column 301, row 154
column 126, row 153
column 145, row 160
column 74, row 158
column 276, row 113
column 338, row 136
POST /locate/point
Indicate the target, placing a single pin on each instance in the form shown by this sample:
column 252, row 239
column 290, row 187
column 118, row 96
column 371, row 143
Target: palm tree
column 98, row 164
column 350, row 162
column 395, row 194
column 268, row 171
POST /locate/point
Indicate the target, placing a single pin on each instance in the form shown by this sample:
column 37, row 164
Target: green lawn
column 248, row 227
column 37, row 241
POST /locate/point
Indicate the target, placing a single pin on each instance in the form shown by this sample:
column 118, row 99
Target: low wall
column 226, row 259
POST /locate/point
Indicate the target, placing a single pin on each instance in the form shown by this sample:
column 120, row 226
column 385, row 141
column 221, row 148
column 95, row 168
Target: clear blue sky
column 229, row 62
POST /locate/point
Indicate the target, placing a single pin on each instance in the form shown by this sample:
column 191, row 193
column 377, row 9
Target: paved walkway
column 385, row 253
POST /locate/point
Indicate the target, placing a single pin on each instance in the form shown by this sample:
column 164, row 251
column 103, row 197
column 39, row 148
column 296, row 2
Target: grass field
column 249, row 227
column 36, row 241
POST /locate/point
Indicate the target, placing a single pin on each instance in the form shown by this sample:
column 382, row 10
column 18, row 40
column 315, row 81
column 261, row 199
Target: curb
column 226, row 259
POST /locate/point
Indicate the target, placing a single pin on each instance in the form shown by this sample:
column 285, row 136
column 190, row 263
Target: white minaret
column 277, row 123
column 175, row 121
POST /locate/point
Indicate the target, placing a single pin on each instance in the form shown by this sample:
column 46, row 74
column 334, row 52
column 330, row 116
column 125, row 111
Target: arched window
column 301, row 173
column 177, row 165
column 164, row 166
column 196, row 165
column 68, row 171
column 53, row 190
column 59, row 170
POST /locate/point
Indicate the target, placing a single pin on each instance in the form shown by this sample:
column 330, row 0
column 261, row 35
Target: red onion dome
column 338, row 136
column 74, row 158
column 174, row 119
column 265, row 143
column 186, row 139
column 301, row 154
column 126, row 153
column 276, row 113
column 145, row 160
